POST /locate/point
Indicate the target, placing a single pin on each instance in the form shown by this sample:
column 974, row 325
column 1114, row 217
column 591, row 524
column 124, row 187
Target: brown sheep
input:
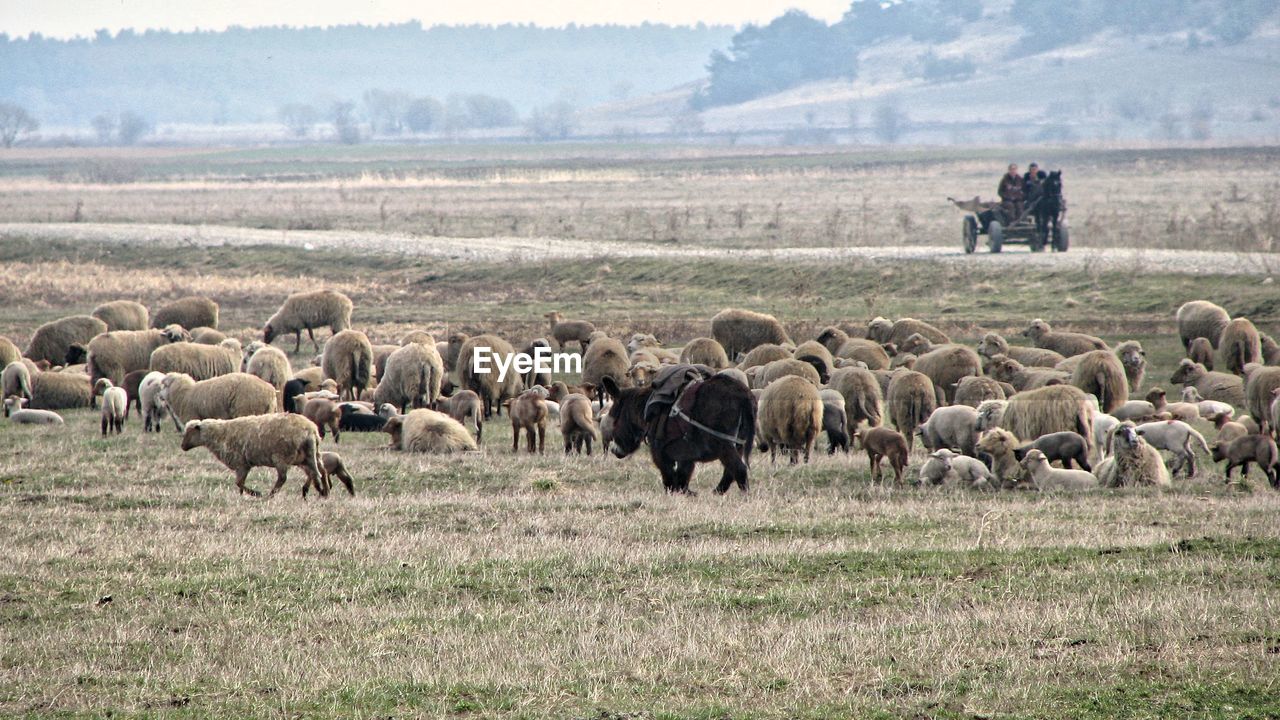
column 1219, row 386
column 1238, row 453
column 947, row 365
column 867, row 352
column 883, row 443
column 1239, row 345
column 1101, row 374
column 739, row 331
column 331, row 466
column 790, row 417
column 465, row 406
column 785, row 368
column 1063, row 343
column 883, row 331
column 993, row 344
column 325, row 413
column 1006, row 369
column 454, row 345
column 1259, row 392
column 973, row 390
column 911, row 399
column 189, row 312
column 491, row 390
column 1270, row 350
column 1200, row 318
column 763, row 355
column 1057, row 408
column 348, row 360
column 817, row 355
column 704, row 351
column 529, row 414
column 567, row 331
column 606, row 356
column 577, row 425
column 122, row 315
column 51, row 341
column 863, row 399
column 832, row 338
column 113, row 355
column 1134, row 360
column 1201, row 351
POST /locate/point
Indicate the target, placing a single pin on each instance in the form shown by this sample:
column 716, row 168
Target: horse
column 1048, row 206
column 716, row 421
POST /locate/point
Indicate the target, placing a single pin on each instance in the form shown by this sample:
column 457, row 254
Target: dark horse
column 1049, row 205
column 716, row 422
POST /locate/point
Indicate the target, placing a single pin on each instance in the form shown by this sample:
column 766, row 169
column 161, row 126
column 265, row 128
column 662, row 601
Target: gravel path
column 521, row 248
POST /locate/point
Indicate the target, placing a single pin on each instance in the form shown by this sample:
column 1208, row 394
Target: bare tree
column 386, row 109
column 105, row 126
column 343, row 117
column 424, row 114
column 15, row 121
column 890, row 123
column 552, row 122
column 298, row 117
column 686, row 123
column 131, row 128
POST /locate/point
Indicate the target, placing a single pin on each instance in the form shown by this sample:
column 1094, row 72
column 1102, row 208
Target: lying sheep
column 577, row 426
column 739, row 331
column 17, row 414
column 1178, row 411
column 790, row 417
column 308, row 311
column 1136, row 410
column 911, row 399
column 1133, row 462
column 331, row 466
column 973, row 390
column 883, row 330
column 201, row 362
column 704, row 351
column 1207, row 408
column 1239, row 345
column 325, row 413
column 225, row 397
column 529, row 415
column 466, row 407
column 567, row 331
column 1006, row 369
column 51, row 340
column 882, row 443
column 953, row 427
column 356, row 421
column 1001, row 446
column 122, row 315
column 1176, row 437
column 152, row 407
column 113, row 355
column 1201, row 351
column 834, row 421
column 60, row 391
column 189, row 312
column 412, row 377
column 993, row 344
column 966, row 471
column 1201, row 319
column 1049, row 479
column 1238, row 453
column 1063, row 447
column 276, row 441
column 1219, row 386
column 348, row 360
column 1063, row 343
column 115, row 403
column 428, row 431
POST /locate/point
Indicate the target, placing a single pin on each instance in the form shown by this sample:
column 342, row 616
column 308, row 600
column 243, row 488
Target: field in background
column 550, row 587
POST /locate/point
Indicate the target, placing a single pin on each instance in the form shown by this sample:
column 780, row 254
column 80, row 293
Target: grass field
column 515, row 586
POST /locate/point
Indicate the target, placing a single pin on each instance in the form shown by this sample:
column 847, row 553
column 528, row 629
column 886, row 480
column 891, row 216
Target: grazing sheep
column 1049, row 479
column 189, row 312
column 816, row 354
column 428, row 431
column 1063, row 447
column 207, row 336
column 790, row 417
column 788, row 367
column 883, row 443
column 911, row 399
column 324, row 412
column 1201, row 351
column 15, row 380
column 883, row 331
column 1101, row 374
column 115, row 403
column 152, row 407
column 1201, row 319
column 567, row 331
column 868, row 352
column 1219, row 386
column 113, row 355
column 990, row 412
column 51, row 340
column 762, row 355
column 1057, row 408
column 1176, row 437
column 19, row 416
column 492, row 391
column 704, row 351
column 308, row 311
column 993, row 344
column 268, row 363
column 348, row 359
column 948, row 365
column 1134, row 461
column 1063, row 343
column 1238, row 453
column 529, row 415
column 1239, row 345
column 8, row 352
column 122, row 315
column 863, row 399
column 577, row 426
column 1259, row 394
column 1001, row 446
column 740, row 331
column 331, row 466
column 201, row 362
column 835, row 423
column 953, row 427
column 1006, row 369
column 465, row 406
column 412, row 377
column 60, row 391
column 277, row 441
column 222, row 398
column 967, row 471
column 974, row 390
column 605, row 356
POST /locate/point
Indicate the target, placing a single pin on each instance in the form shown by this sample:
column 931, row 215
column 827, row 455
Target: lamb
column 413, row 376
column 1134, row 461
column 975, row 389
column 115, row 404
column 308, row 311
column 704, row 351
column 993, row 344
column 1063, row 343
column 967, row 471
column 122, row 315
column 1136, row 410
column 1201, row 319
column 1239, row 345
column 762, row 355
column 947, row 365
column 1001, row 445
column 883, row 443
column 1050, row 479
column 790, row 418
column 152, row 408
column 113, row 355
column 1238, row 453
column 577, row 426
column 465, row 406
column 201, row 362
column 1207, row 408
column 740, row 331
column 952, row 427
column 207, row 336
column 1178, row 411
column 51, row 340
column 222, row 398
column 325, row 413
column 8, row 352
column 1063, row 447
column 276, row 441
column 1101, row 374
column 911, row 399
column 1228, row 429
column 1134, row 361
column 15, row 380
column 1260, row 392
column 1006, row 369
column 428, row 431
column 331, row 466
column 529, row 414
column 883, row 331
column 1176, row 437
column 789, row 367
column 60, row 391
column 1219, row 386
column 20, row 416
column 348, row 359
column 567, row 331
column 532, row 376
column 605, row 356
column 189, row 312
column 1052, row 409
column 268, row 363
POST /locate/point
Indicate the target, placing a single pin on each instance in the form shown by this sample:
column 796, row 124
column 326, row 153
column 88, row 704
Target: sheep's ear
column 611, row 387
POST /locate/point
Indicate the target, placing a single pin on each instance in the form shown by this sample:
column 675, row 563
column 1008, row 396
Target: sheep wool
column 225, row 397
column 412, row 377
column 704, row 351
column 739, row 331
column 278, row 441
column 307, row 311
column 348, row 360
column 790, row 417
column 201, row 362
column 51, row 340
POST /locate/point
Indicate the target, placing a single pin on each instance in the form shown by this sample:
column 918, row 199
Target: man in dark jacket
column 1031, row 182
column 1011, row 196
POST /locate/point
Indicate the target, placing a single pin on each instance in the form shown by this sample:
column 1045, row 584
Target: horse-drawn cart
column 988, row 218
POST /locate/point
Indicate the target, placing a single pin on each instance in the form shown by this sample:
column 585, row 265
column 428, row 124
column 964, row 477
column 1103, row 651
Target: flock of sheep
column 993, row 416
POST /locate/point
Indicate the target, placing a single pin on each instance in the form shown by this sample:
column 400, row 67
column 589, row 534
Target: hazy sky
column 64, row 18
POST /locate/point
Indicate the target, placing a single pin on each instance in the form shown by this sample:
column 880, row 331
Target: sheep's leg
column 515, row 438
column 280, row 477
column 297, row 344
column 585, row 441
column 105, row 422
column 311, row 333
column 241, row 476
column 542, row 439
column 336, row 435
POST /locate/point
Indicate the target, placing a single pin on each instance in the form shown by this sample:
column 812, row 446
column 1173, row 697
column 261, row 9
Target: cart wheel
column 970, row 234
column 1060, row 240
column 995, row 236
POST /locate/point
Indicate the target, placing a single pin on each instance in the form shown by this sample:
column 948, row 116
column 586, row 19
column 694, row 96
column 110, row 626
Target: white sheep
column 954, row 427
column 1176, row 437
column 1208, row 408
column 153, row 409
column 227, row 396
column 968, row 471
column 115, row 404
column 14, row 410
column 1048, row 478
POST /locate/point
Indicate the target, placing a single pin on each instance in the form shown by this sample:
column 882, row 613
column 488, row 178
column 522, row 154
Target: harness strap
column 676, row 412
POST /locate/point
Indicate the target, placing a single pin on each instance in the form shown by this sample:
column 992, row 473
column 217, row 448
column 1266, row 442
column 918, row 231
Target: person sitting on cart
column 1032, row 181
column 1011, row 197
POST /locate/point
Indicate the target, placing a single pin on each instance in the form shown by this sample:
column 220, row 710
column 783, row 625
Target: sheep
column 1201, row 351
column 816, row 354
column 207, row 336
column 952, row 427
column 1052, row 409
column 113, row 355
column 201, row 362
column 903, row 360
column 577, row 426
column 704, row 351
column 60, row 391
column 428, row 431
column 13, row 409
column 324, row 412
column 1219, row 386
column 1239, row 345
column 993, row 344
column 1207, row 408
column 762, row 355
column 1048, row 478
column 947, row 365
column 528, row 413
column 122, row 315
column 189, row 312
column 973, row 390
column 1134, row 461
column 412, row 377
column 832, row 338
column 648, row 343
column 532, row 376
column 934, row 471
column 1270, row 349
column 51, row 340
column 1063, row 447
column 883, row 330
column 308, row 311
column 990, row 412
column 418, row 336
column 1006, row 369
column 276, row 441
column 883, row 443
column 1001, row 446
column 331, row 466
column 1238, row 453
column 865, row 351
column 356, row 421
column 787, row 368
column 1135, row 410
column 1259, row 393
column 348, row 359
column 1101, row 374
column 1134, row 361
column 567, row 331
column 292, row 389
column 1176, row 437
column 268, row 363
column 1201, row 319
column 152, row 408
column 380, row 355
column 15, row 380
column 790, row 417
column 493, row 391
column 863, row 400
column 8, row 352
column 115, row 403
column 465, row 406
column 911, row 399
column 1178, row 411
column 740, row 331
column 835, row 423
column 454, row 345
column 605, row 356
column 222, row 398
column 1063, row 343
column 967, row 471
column 131, row 383
column 736, row 374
